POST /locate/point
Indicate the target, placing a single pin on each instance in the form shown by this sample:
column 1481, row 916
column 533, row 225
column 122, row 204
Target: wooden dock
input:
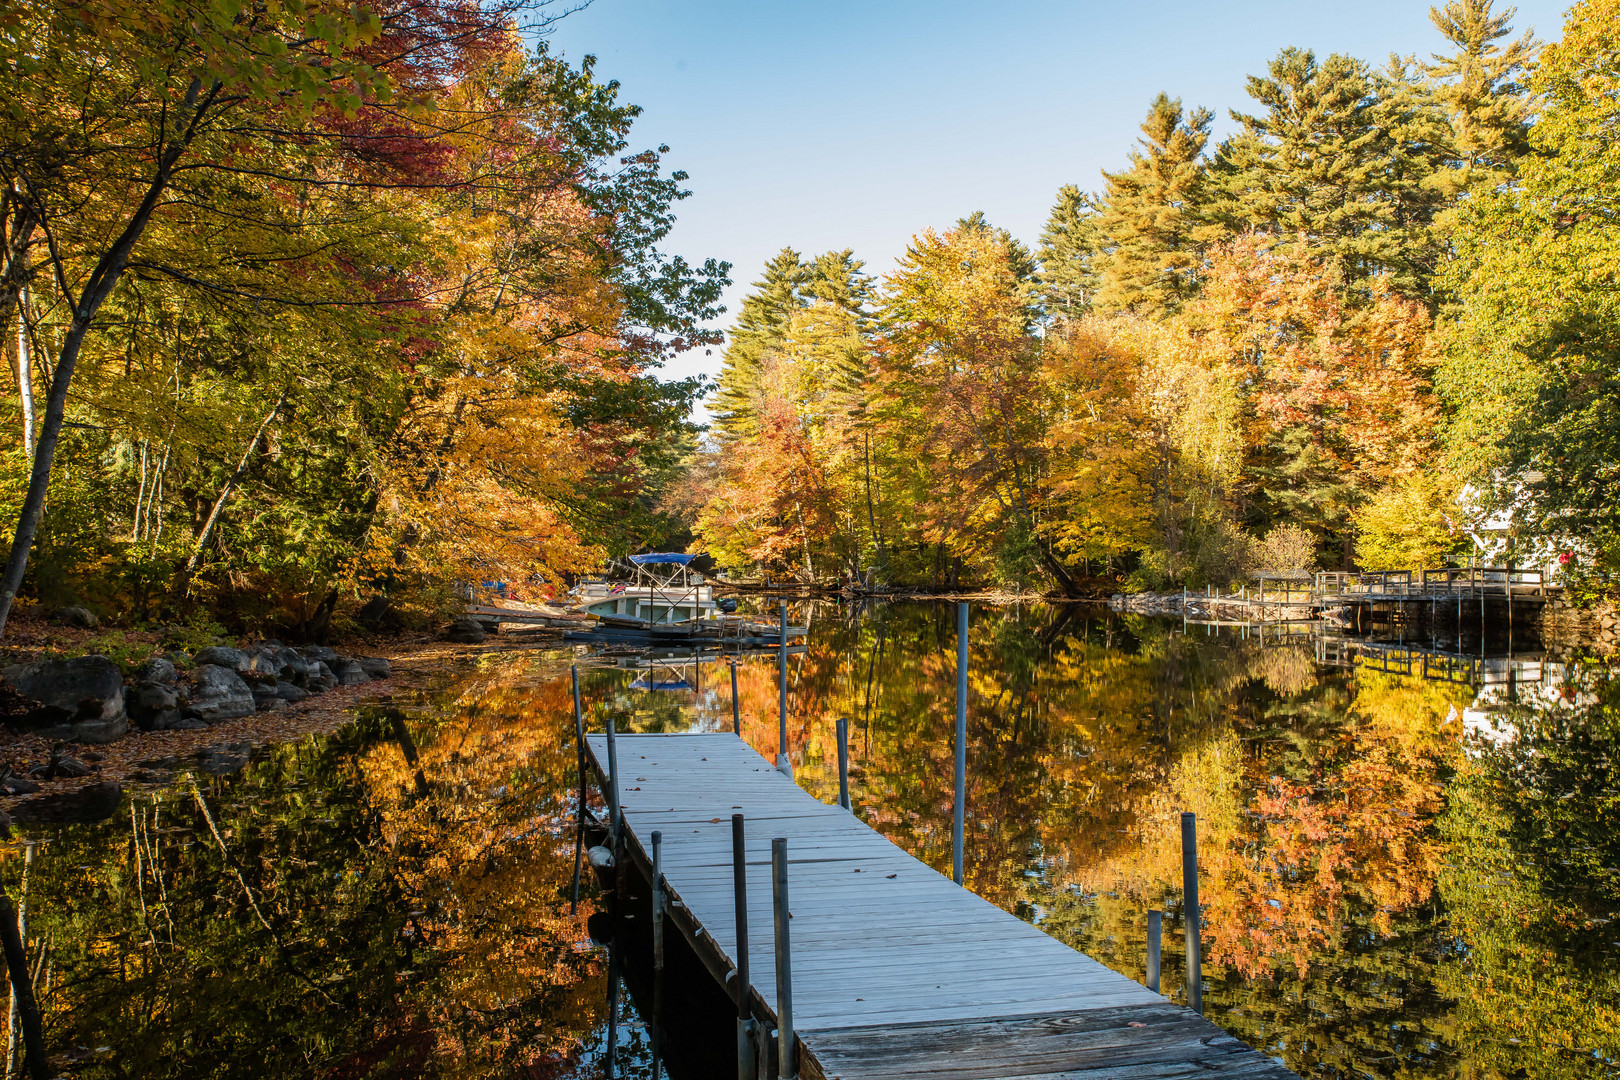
column 896, row 971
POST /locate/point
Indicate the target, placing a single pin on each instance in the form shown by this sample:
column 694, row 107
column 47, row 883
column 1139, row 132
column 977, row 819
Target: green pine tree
column 1152, row 219
column 1068, row 250
column 1480, row 86
column 1338, row 162
column 762, row 324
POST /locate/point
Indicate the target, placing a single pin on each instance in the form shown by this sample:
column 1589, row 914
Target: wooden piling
column 784, row 974
column 1155, row 929
column 843, row 762
column 1190, row 909
column 959, row 812
column 746, row 1062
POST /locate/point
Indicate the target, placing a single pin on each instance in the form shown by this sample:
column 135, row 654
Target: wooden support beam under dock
column 897, row 972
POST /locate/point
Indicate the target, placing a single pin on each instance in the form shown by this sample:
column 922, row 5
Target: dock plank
column 897, row 971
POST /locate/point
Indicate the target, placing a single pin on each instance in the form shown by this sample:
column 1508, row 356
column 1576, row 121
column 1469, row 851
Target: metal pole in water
column 658, row 951
column 579, row 827
column 1155, row 928
column 613, row 791
column 843, row 762
column 658, row 902
column 1189, row 888
column 747, row 1066
column 736, row 713
column 960, row 811
column 784, row 956
column 782, row 762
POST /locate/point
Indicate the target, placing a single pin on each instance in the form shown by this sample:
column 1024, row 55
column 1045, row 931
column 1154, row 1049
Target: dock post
column 959, row 813
column 736, row 713
column 782, row 762
column 784, row 955
column 579, row 827
column 657, row 903
column 613, row 791
column 1155, row 928
column 658, row 950
column 843, row 762
column 1191, row 913
column 747, row 1065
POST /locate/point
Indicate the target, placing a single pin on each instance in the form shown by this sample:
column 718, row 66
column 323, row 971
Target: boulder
column 263, row 666
column 153, row 705
column 290, row 692
column 79, row 700
column 374, row 666
column 217, row 693
column 350, row 673
column 320, row 678
column 222, row 656
column 466, row 630
column 16, row 785
column 159, row 670
column 74, row 615
column 324, row 653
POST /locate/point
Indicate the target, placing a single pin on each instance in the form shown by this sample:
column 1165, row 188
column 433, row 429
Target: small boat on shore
column 663, row 602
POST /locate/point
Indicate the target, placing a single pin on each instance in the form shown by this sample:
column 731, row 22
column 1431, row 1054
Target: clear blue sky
column 830, row 125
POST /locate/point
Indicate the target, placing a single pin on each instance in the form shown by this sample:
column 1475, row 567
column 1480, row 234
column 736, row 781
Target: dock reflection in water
column 1402, row 876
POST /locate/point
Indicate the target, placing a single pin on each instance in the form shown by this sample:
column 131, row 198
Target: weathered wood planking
column 897, row 972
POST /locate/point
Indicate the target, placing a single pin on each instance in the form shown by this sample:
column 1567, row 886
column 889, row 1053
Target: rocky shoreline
column 84, row 699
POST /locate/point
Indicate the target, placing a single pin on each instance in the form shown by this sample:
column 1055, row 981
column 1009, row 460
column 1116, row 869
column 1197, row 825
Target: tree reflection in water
column 1385, row 895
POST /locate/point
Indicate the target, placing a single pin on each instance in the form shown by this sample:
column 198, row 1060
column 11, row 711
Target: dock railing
column 1445, row 581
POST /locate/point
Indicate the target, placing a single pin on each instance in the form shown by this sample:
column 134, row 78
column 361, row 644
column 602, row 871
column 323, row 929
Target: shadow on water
column 1410, row 865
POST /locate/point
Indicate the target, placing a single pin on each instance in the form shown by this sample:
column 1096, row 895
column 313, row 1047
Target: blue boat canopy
column 663, row 557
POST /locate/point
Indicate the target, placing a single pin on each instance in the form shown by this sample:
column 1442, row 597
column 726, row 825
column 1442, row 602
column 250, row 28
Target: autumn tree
column 1336, row 395
column 1533, row 355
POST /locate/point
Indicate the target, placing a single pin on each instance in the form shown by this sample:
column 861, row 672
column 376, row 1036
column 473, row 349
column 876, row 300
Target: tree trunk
column 103, row 279
column 39, row 477
column 25, row 371
column 22, row 984
column 225, row 492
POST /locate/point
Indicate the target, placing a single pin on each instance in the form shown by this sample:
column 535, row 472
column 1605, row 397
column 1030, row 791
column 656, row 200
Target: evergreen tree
column 1481, row 90
column 1152, row 216
column 1068, row 249
column 762, row 324
column 1337, row 163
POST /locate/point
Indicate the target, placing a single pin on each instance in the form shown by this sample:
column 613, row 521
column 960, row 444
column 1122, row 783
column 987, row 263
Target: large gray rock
column 222, row 656
column 350, row 673
column 159, row 670
column 217, row 693
column 320, row 678
column 374, row 666
column 78, row 700
column 152, row 705
column 291, row 692
column 466, row 630
column 324, row 653
column 75, row 615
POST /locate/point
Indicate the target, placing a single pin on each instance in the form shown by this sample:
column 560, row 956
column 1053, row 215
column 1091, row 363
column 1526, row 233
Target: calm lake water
column 1402, row 876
